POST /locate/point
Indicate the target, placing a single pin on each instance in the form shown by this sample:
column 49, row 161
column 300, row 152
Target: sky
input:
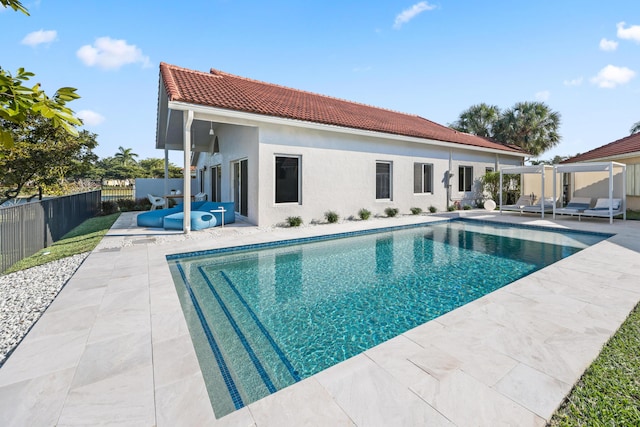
column 430, row 58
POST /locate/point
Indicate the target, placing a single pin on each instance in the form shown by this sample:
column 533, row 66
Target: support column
column 186, row 187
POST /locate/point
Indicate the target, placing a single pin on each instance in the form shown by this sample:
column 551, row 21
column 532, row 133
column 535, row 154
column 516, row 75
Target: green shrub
column 364, row 214
column 126, row 205
column 331, row 216
column 391, row 212
column 416, row 211
column 294, row 221
column 451, row 208
column 466, row 207
column 432, row 209
column 109, row 207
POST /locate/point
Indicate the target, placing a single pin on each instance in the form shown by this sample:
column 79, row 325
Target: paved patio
column 114, row 348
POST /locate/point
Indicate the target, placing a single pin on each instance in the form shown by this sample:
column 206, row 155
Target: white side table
column 222, row 211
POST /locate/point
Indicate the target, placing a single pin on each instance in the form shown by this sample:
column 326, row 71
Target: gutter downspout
column 449, row 179
column 186, row 187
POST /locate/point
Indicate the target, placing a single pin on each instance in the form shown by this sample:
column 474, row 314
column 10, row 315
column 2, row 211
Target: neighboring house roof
column 626, row 147
column 222, row 90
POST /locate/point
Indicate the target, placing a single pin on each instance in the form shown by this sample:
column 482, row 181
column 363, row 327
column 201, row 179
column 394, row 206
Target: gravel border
column 26, row 294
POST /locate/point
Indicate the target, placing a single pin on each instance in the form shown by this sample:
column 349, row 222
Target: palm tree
column 532, row 126
column 478, row 120
column 635, row 128
column 125, row 155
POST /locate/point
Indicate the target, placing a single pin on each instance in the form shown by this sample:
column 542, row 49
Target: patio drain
column 143, row 241
column 109, row 250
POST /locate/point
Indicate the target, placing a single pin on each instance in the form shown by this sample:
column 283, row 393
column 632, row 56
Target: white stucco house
column 278, row 152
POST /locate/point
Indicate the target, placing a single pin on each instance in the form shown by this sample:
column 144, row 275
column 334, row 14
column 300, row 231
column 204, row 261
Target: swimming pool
column 265, row 316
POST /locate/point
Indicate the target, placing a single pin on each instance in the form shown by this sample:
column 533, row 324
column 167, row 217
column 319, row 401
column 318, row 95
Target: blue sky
column 433, row 59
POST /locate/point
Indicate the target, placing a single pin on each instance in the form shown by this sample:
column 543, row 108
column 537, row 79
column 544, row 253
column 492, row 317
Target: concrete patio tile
column 174, row 360
column 534, row 390
column 305, row 403
column 35, row 357
column 395, row 356
column 128, row 283
column 64, row 321
column 371, row 396
column 35, row 402
column 74, row 296
column 483, row 406
column 121, row 399
column 186, row 403
column 113, row 384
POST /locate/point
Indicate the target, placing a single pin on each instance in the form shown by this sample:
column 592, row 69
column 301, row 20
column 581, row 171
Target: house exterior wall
column 236, row 143
column 338, row 173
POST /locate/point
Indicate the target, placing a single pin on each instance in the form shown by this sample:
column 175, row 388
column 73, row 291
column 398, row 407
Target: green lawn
column 608, row 394
column 81, row 239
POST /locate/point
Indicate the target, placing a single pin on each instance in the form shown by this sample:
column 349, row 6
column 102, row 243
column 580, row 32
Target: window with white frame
column 383, row 180
column 465, row 178
column 422, row 178
column 287, row 179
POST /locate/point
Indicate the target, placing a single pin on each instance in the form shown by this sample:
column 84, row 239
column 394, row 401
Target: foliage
column 15, row 5
column 532, row 126
column 109, row 207
column 432, row 209
column 490, row 182
column 294, row 221
column 635, row 128
column 42, row 155
column 391, row 212
column 478, row 120
column 125, row 156
column 451, row 208
column 416, row 211
column 364, row 214
column 466, row 207
column 83, row 238
column 556, row 160
column 608, row 394
column 331, row 216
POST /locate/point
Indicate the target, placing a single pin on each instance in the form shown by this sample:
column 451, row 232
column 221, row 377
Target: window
column 216, row 183
column 422, row 178
column 383, row 180
column 287, row 179
column 465, row 178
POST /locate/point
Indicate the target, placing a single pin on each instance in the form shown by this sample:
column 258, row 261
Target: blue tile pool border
column 289, row 242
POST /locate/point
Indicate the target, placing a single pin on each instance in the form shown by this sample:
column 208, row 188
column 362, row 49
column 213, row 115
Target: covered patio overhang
column 539, row 175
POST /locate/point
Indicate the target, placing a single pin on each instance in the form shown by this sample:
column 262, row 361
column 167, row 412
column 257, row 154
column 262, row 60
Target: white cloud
column 543, row 95
column 612, row 76
column 631, row 33
column 108, row 53
column 408, row 14
column 573, row 82
column 39, row 37
column 90, row 118
column 608, row 45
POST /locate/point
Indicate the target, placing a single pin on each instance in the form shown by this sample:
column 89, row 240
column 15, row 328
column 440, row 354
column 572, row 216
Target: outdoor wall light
column 211, row 132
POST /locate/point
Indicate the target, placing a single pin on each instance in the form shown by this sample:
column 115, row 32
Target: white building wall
column 339, row 173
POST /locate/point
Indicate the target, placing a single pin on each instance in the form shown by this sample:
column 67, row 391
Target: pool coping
column 114, row 346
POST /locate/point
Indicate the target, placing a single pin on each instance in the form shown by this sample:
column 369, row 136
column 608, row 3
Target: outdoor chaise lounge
column 601, row 208
column 576, row 206
column 519, row 205
column 547, row 206
column 201, row 216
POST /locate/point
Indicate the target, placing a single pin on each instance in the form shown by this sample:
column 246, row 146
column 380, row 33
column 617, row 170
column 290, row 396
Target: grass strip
column 81, row 239
column 608, row 394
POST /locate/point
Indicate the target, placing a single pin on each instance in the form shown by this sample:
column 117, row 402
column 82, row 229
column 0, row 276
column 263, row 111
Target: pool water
column 264, row 319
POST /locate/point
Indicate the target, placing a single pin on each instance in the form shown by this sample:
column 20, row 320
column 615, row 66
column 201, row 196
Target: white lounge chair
column 156, row 202
column 519, row 205
column 576, row 206
column 547, row 205
column 200, row 197
column 601, row 208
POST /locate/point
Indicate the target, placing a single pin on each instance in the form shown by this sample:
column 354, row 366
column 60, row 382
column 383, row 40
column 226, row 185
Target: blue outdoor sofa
column 201, row 216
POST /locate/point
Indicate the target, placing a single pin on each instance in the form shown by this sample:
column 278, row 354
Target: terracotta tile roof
column 222, row 90
column 624, row 146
